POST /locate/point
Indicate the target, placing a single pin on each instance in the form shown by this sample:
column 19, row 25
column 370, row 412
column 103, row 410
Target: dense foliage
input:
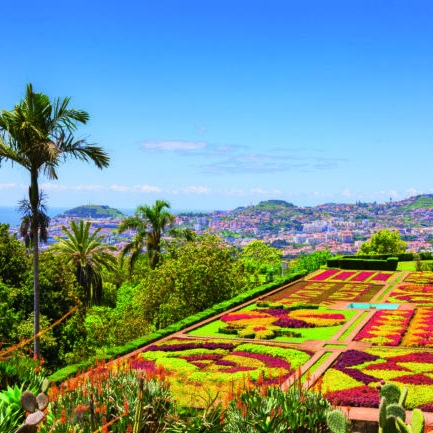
column 384, row 241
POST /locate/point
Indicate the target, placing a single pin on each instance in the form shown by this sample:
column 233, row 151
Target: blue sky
column 216, row 104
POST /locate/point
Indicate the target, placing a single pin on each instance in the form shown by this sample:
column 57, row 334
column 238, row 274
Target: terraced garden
column 329, row 329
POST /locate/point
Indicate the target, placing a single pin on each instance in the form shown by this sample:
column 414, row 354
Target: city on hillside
column 340, row 228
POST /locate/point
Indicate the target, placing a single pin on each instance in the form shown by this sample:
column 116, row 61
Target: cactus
column 391, row 392
column 396, row 411
column 403, row 396
column 418, row 421
column 382, row 412
column 337, row 422
column 30, row 403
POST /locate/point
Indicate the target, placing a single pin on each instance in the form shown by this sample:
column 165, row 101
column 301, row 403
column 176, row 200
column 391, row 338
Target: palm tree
column 150, row 222
column 39, row 134
column 89, row 255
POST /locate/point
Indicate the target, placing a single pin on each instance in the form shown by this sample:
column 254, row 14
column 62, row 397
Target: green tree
column 191, row 278
column 257, row 255
column 89, row 255
column 39, row 135
column 14, row 262
column 151, row 223
column 384, row 242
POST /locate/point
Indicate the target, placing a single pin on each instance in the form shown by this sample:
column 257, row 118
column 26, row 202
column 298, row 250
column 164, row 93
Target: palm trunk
column 34, row 199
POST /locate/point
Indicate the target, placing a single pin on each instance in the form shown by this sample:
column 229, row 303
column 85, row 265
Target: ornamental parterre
column 419, row 278
column 353, row 378
column 420, row 294
column 351, row 276
column 215, row 365
column 386, row 327
column 273, row 322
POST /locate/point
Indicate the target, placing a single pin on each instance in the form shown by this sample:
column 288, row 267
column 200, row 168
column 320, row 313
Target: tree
column 193, row 277
column 89, row 255
column 151, row 223
column 39, row 134
column 13, row 259
column 384, row 242
column 258, row 254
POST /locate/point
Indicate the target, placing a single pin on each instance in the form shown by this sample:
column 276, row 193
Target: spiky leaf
column 418, row 421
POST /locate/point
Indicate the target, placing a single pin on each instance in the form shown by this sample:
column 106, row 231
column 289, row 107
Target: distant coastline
column 9, row 214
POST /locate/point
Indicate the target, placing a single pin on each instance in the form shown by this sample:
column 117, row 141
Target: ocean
column 10, row 215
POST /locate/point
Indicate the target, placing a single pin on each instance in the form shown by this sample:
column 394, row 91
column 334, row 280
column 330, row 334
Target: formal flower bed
column 386, row 327
column 351, row 276
column 420, row 331
column 199, row 367
column 343, row 276
column 323, row 276
column 353, row 378
column 412, row 293
column 274, row 322
column 362, row 277
column 419, row 278
column 325, row 293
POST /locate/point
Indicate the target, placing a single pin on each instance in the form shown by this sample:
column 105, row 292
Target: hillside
column 93, row 211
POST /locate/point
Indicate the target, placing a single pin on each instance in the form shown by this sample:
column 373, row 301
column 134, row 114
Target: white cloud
column 172, row 146
column 48, row 186
column 5, row 186
column 265, row 191
column 147, row 188
column 195, row 190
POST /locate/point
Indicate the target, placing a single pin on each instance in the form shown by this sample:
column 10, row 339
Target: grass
column 380, row 298
column 410, row 266
column 316, row 365
column 342, row 346
column 324, row 333
column 347, row 332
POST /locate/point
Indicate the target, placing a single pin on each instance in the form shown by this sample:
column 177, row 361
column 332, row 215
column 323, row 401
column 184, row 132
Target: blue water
column 375, row 306
column 10, row 215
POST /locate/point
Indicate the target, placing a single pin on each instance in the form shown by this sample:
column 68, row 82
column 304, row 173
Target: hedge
column 356, row 263
column 402, row 257
column 114, row 352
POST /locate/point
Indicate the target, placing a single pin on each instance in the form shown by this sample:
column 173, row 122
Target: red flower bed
column 362, row 276
column 325, row 275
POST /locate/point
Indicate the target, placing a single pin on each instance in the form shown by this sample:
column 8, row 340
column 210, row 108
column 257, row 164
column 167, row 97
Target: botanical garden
column 184, row 333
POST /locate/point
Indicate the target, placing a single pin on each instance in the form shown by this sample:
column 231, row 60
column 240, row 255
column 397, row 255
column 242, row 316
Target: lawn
column 271, row 322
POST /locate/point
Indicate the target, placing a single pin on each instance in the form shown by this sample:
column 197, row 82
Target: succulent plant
column 36, row 406
column 337, row 422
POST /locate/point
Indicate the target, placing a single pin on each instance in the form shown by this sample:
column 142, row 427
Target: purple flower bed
column 351, row 358
column 292, row 323
column 270, row 361
column 275, row 312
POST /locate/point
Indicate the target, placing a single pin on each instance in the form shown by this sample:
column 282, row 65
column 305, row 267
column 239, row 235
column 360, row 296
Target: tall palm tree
column 150, row 222
column 39, row 134
column 89, row 255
